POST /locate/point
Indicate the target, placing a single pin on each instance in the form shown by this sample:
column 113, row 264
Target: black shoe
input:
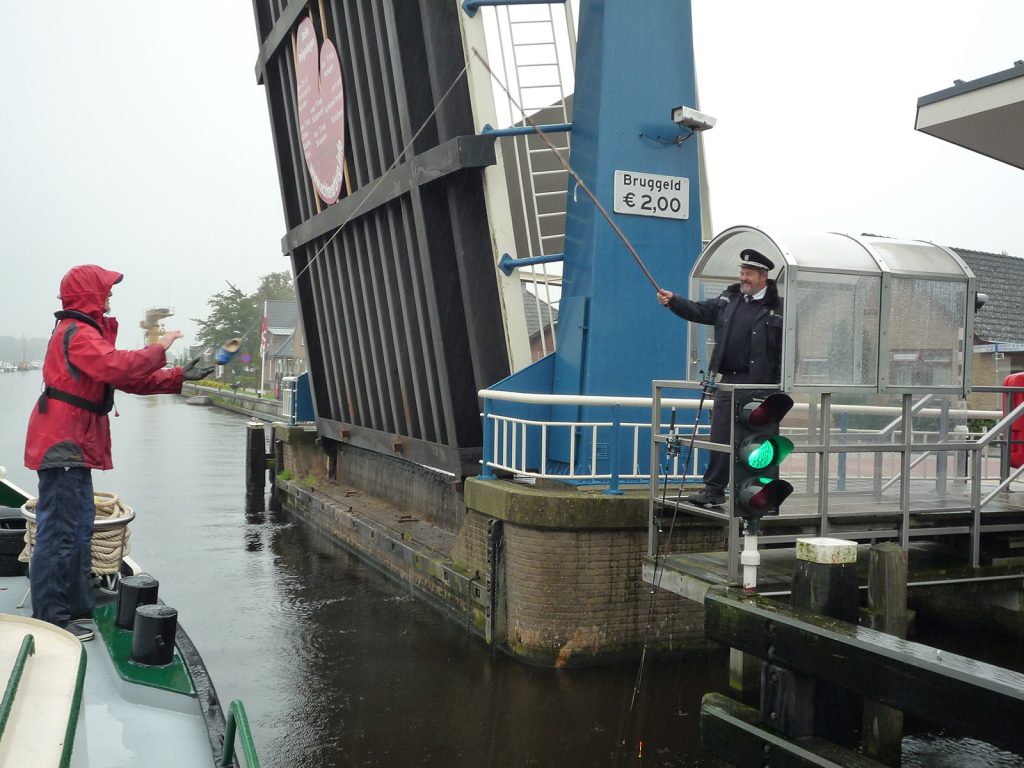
column 83, row 619
column 84, row 634
column 707, row 498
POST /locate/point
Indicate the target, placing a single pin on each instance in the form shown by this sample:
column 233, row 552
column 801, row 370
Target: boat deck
column 122, row 723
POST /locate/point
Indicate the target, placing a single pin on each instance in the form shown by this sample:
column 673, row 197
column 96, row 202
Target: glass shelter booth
column 876, row 332
column 861, row 314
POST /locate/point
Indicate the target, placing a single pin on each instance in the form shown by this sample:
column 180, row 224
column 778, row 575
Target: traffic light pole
column 758, row 450
column 750, row 558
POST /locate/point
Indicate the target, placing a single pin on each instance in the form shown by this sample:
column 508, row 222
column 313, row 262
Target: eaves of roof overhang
column 984, row 115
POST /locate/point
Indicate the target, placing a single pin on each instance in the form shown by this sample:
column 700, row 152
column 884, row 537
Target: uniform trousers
column 716, row 476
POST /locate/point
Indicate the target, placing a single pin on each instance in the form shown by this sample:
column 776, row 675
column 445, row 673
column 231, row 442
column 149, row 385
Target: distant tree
column 235, row 313
column 277, row 286
column 232, row 313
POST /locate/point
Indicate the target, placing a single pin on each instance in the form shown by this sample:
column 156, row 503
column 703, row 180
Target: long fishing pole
column 706, row 386
column 671, row 450
column 565, row 164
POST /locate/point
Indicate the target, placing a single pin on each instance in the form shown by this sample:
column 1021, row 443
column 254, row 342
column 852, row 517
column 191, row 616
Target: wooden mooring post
column 276, row 493
column 255, row 466
column 825, row 582
column 961, row 695
column 882, row 733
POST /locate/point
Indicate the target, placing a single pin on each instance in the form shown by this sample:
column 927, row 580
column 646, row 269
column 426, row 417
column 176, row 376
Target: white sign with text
column 651, row 194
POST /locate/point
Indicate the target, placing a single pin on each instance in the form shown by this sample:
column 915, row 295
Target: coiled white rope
column 109, row 545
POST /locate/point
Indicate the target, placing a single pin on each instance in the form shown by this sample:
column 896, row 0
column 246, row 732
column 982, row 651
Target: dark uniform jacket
column 764, row 366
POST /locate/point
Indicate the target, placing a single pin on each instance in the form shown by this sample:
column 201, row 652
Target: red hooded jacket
column 69, row 426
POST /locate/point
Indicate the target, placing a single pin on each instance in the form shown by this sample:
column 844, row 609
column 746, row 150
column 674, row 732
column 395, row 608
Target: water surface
column 338, row 665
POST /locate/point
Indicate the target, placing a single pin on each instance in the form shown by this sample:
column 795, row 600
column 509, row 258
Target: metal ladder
column 529, row 40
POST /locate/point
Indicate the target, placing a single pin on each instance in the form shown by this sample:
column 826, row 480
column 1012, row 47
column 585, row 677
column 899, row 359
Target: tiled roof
column 285, row 349
column 534, row 315
column 282, row 315
column 1001, row 320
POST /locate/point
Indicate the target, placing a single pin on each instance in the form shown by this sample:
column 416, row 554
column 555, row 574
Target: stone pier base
column 549, row 574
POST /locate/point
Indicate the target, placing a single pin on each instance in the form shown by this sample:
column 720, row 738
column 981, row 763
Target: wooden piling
column 964, row 696
column 825, row 582
column 887, row 612
column 255, row 466
column 745, row 677
column 276, row 493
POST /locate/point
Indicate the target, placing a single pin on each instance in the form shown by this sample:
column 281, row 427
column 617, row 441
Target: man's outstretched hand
column 194, row 372
column 169, row 338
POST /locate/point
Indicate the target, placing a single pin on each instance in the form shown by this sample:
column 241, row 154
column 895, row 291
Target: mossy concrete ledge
column 557, row 506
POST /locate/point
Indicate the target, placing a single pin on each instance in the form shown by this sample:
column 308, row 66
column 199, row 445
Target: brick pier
column 550, row 574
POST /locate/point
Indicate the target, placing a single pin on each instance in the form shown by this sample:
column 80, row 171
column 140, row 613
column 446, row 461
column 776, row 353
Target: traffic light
column 759, row 449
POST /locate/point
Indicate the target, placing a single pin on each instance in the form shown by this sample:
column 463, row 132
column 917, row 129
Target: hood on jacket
column 85, row 288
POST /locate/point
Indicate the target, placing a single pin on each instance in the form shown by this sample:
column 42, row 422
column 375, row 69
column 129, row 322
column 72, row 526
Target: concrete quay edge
column 546, row 507
column 396, row 553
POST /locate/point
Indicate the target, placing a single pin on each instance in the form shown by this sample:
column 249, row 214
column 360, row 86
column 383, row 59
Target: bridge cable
column 569, row 169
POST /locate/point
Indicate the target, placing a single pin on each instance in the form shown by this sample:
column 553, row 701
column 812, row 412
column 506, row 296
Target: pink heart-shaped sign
column 321, row 100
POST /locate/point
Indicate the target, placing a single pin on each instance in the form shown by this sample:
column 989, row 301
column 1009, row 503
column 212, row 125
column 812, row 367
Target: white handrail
column 549, row 399
column 646, row 402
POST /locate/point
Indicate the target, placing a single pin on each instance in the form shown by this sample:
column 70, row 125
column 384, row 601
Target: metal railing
column 28, row 648
column 870, row 512
column 519, row 445
column 237, row 721
column 888, row 466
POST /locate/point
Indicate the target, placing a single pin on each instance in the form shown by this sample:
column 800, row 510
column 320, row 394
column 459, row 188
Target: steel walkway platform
column 936, row 533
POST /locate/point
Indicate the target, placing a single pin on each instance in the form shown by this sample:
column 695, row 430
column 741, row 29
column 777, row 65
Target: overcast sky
column 816, row 104
column 134, row 135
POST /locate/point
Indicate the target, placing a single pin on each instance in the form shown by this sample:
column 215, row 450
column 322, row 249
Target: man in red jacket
column 69, row 436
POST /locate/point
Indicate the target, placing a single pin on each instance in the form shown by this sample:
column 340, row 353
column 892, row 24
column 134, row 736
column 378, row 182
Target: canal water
column 337, row 664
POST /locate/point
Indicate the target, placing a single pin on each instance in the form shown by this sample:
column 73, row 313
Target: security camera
column 685, row 117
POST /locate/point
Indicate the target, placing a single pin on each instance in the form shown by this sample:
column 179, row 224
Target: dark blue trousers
column 716, row 476
column 60, row 571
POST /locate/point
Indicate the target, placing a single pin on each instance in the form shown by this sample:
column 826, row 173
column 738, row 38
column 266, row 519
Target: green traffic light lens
column 757, row 453
column 762, row 457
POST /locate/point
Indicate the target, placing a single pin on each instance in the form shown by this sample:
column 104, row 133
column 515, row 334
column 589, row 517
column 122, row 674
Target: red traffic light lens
column 771, row 495
column 771, row 410
column 762, row 495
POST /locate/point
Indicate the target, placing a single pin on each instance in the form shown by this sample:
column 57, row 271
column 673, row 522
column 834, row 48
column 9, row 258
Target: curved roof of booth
column 829, row 252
